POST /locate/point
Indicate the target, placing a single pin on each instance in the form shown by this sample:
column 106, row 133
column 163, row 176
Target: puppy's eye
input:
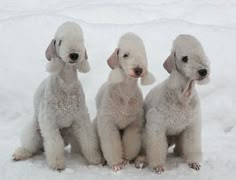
column 185, row 59
column 59, row 42
column 125, row 55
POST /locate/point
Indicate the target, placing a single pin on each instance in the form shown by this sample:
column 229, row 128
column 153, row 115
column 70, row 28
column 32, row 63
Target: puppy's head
column 68, row 46
column 129, row 60
column 189, row 59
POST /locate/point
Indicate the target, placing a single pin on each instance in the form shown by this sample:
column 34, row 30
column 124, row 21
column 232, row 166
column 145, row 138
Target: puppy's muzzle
column 138, row 71
column 73, row 57
column 202, row 72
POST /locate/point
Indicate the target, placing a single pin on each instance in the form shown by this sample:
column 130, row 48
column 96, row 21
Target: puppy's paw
column 57, row 163
column 140, row 162
column 95, row 158
column 21, row 154
column 195, row 165
column 140, row 165
column 159, row 169
column 117, row 167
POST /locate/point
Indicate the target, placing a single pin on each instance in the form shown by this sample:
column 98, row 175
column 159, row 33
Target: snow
column 27, row 27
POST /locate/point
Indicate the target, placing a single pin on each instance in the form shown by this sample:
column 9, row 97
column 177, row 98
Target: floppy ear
column 84, row 66
column 116, row 75
column 51, row 50
column 113, row 60
column 169, row 63
column 85, row 55
column 147, row 79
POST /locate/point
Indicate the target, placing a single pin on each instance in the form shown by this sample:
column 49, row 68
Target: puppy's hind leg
column 31, row 142
column 75, row 147
column 69, row 139
column 141, row 160
column 178, row 149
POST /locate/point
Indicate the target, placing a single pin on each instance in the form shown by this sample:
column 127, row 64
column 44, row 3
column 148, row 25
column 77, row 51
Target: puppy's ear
column 169, row 63
column 113, row 60
column 85, row 55
column 147, row 79
column 116, row 75
column 84, row 66
column 51, row 50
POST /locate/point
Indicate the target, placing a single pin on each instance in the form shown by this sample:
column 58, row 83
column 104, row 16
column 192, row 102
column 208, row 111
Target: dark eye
column 125, row 55
column 185, row 59
column 59, row 42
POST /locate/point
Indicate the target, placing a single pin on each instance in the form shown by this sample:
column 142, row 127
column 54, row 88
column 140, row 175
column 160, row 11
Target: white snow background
column 26, row 28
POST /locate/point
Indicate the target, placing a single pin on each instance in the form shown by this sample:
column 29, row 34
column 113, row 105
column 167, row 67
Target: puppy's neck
column 128, row 87
column 183, row 87
column 68, row 74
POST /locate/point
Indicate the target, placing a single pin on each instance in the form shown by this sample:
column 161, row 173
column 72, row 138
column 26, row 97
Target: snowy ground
column 27, row 27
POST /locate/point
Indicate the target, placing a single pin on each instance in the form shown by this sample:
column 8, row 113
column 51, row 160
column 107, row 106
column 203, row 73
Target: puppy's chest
column 126, row 105
column 179, row 118
column 125, row 109
column 68, row 103
column 65, row 106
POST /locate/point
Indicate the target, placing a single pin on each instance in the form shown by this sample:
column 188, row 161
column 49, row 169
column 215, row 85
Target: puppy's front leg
column 191, row 145
column 131, row 140
column 53, row 143
column 85, row 134
column 156, row 142
column 110, row 142
column 156, row 150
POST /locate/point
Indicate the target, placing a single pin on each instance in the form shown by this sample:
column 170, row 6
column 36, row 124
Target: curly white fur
column 61, row 116
column 120, row 103
column 172, row 108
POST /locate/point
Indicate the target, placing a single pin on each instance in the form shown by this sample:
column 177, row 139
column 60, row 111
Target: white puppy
column 120, row 102
column 172, row 108
column 60, row 113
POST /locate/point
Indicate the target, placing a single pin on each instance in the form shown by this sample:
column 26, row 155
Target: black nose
column 202, row 72
column 73, row 56
column 138, row 71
